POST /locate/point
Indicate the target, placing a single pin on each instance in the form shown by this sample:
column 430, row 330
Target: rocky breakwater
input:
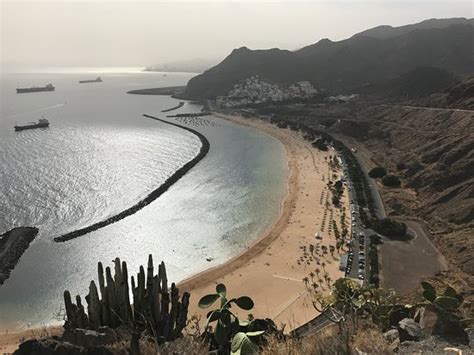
column 12, row 246
column 152, row 195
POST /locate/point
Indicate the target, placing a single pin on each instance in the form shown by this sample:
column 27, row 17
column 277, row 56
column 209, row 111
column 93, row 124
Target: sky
column 141, row 33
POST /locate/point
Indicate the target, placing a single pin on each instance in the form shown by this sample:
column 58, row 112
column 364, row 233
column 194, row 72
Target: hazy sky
column 126, row 33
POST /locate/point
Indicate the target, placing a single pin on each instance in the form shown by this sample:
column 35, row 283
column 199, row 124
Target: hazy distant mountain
column 385, row 32
column 349, row 65
column 197, row 65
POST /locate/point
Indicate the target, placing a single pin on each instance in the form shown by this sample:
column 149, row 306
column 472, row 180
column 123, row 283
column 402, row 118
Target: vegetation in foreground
column 363, row 319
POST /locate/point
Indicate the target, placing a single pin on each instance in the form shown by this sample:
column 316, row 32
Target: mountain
column 385, row 32
column 197, row 65
column 351, row 64
column 417, row 83
column 460, row 96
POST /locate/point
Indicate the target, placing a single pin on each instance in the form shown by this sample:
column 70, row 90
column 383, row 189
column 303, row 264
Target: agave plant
column 229, row 332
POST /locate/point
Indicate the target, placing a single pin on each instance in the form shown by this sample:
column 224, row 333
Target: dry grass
column 367, row 340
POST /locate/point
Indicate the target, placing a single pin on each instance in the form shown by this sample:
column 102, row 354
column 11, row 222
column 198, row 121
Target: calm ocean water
column 98, row 157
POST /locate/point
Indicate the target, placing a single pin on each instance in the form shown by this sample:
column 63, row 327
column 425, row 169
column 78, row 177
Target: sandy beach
column 272, row 270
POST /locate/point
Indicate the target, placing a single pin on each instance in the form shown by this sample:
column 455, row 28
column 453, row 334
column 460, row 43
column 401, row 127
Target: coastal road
column 430, row 108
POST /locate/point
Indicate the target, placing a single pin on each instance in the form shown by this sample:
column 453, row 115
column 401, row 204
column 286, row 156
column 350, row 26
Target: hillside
column 432, row 151
column 347, row 65
column 385, row 32
column 459, row 96
column 416, row 83
column 429, row 144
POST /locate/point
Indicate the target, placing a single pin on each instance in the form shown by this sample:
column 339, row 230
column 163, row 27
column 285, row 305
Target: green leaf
column 237, row 342
column 255, row 334
column 430, row 296
column 213, row 316
column 427, row 286
column 243, row 323
column 429, row 292
column 242, row 345
column 248, row 347
column 448, row 303
column 220, row 288
column 208, row 300
column 244, row 302
column 450, row 292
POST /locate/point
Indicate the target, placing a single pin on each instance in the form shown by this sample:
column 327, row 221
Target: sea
column 100, row 156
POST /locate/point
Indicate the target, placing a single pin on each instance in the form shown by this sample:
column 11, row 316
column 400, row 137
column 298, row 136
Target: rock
column 89, row 338
column 470, row 336
column 47, row 347
column 409, row 330
column 395, row 345
column 50, row 346
column 391, row 335
column 432, row 345
column 449, row 327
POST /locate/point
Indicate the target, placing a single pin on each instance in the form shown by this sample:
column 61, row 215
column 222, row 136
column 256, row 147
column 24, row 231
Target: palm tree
column 305, row 280
column 328, row 281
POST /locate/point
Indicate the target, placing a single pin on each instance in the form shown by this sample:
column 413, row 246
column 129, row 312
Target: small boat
column 42, row 123
column 48, row 87
column 96, row 80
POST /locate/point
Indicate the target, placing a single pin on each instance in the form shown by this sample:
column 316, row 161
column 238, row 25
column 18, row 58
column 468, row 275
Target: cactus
column 94, row 307
column 156, row 310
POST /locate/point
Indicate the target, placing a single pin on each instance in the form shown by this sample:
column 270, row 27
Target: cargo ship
column 48, row 87
column 96, row 80
column 42, row 123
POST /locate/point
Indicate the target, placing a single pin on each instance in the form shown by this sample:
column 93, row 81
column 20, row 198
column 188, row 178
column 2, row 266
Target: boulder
column 391, row 335
column 408, row 329
column 52, row 346
column 89, row 338
column 48, row 347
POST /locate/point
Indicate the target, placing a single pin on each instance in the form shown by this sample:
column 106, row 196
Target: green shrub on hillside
column 391, row 181
column 321, row 145
column 377, row 172
column 389, row 227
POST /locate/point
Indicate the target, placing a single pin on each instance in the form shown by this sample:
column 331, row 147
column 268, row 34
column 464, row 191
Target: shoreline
column 275, row 279
column 258, row 245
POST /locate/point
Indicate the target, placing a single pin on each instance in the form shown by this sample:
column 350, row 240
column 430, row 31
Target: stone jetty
column 152, row 195
column 12, row 246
